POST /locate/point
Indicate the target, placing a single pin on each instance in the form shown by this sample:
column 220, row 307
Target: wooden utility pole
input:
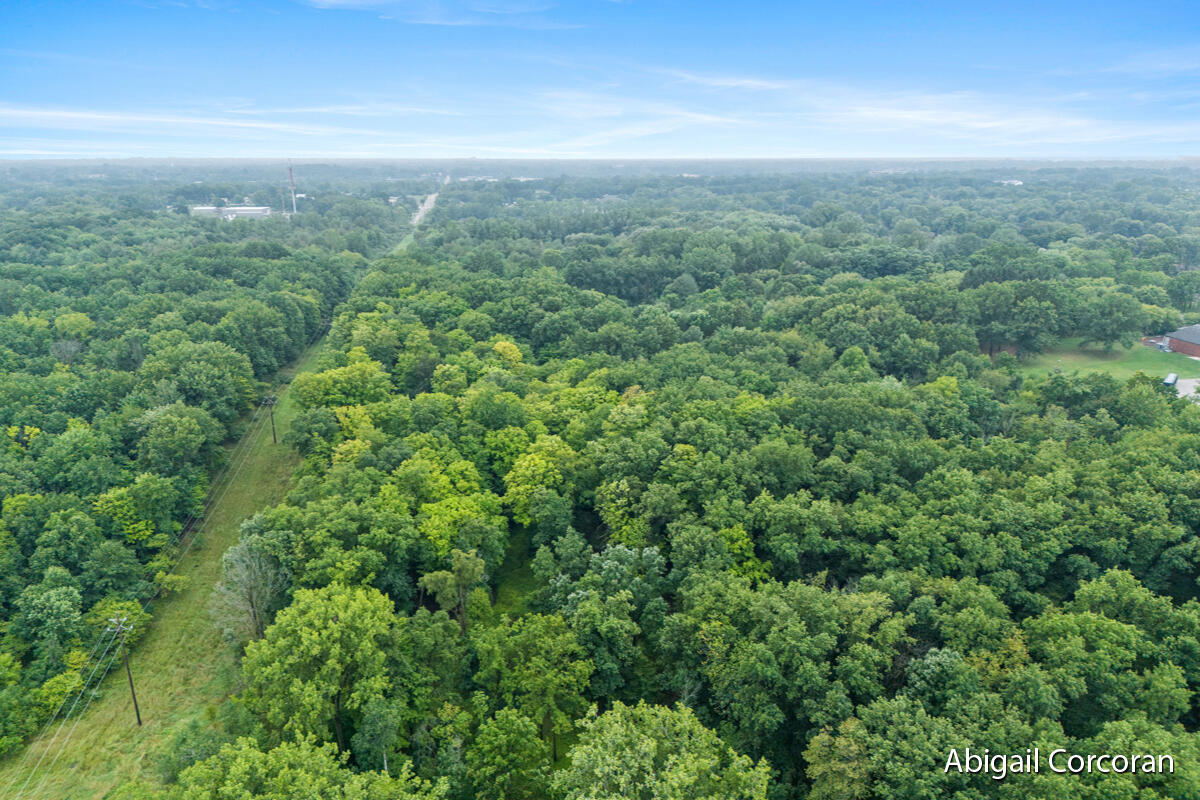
column 122, row 628
column 269, row 401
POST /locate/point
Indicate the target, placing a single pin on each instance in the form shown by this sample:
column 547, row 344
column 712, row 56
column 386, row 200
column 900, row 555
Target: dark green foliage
column 132, row 346
column 742, row 461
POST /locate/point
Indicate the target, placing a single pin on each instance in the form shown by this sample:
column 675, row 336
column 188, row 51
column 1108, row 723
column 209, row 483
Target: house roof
column 1189, row 334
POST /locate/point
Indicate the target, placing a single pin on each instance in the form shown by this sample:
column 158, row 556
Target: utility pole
column 269, row 401
column 292, row 181
column 122, row 628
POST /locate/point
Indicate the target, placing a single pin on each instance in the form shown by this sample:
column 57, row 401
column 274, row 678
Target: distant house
column 231, row 212
column 1185, row 340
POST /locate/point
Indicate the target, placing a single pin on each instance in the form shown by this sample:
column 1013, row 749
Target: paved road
column 1186, row 387
column 427, row 205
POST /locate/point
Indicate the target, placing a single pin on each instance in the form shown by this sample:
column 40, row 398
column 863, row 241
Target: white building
column 231, row 212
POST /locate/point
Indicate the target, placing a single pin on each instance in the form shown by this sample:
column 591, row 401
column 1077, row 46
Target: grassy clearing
column 182, row 667
column 1119, row 362
column 400, row 248
column 515, row 580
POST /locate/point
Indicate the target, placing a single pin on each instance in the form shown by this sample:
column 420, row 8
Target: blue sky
column 598, row 79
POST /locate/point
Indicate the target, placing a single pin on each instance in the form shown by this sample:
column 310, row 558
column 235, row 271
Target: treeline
column 133, row 345
column 767, row 532
column 718, row 488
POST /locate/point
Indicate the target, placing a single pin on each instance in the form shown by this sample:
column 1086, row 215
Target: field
column 183, row 667
column 1119, row 362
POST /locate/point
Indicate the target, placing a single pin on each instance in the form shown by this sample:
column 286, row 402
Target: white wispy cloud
column 990, row 120
column 350, row 110
column 527, row 14
column 70, row 59
column 78, row 119
column 583, row 104
column 1159, row 63
column 510, row 6
column 727, row 81
column 631, row 111
column 350, row 3
column 626, row 118
column 620, row 134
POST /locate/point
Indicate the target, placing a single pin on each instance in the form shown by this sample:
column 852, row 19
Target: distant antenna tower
column 292, row 181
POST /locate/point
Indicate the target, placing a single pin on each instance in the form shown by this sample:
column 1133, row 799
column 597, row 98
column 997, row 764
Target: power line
column 239, row 456
column 229, row 475
column 46, row 727
column 219, row 490
column 78, row 697
column 71, row 732
column 119, row 626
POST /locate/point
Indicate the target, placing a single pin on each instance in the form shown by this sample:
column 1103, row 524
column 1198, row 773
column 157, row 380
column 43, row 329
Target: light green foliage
column 321, row 662
column 649, row 752
column 360, row 381
column 547, row 464
column 143, row 511
column 456, row 521
column 278, row 774
column 73, row 325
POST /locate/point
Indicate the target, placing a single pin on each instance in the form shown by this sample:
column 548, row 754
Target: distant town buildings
column 231, row 212
column 1011, row 182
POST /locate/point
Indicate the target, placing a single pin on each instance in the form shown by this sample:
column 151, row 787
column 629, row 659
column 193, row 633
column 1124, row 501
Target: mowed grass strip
column 183, row 666
column 1119, row 362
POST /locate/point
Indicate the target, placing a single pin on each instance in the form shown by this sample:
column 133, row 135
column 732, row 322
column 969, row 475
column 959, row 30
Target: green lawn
column 1119, row 362
column 183, row 666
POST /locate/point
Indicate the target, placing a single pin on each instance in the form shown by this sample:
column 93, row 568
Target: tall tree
column 321, row 662
column 649, row 752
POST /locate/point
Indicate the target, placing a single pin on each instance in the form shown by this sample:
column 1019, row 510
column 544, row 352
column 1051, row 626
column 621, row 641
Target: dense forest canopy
column 725, row 484
column 134, row 341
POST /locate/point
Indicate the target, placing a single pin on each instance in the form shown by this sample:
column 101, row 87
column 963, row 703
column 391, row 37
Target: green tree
column 252, row 588
column 649, row 752
column 452, row 587
column 211, row 375
column 360, row 381
column 507, row 760
column 241, row 770
column 321, row 662
column 536, row 665
column 177, row 436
